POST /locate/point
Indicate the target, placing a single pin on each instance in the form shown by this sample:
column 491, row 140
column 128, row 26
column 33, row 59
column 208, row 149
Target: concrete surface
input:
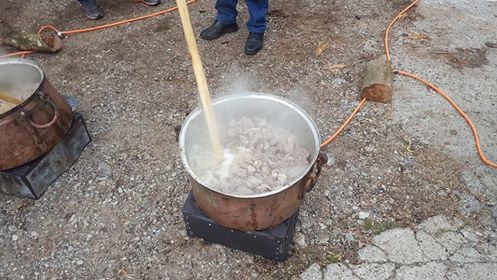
column 437, row 249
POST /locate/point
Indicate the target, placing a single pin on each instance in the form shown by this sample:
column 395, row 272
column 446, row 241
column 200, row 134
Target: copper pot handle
column 312, row 179
column 49, row 124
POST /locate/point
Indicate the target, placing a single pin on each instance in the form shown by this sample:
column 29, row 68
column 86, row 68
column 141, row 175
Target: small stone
column 491, row 44
column 114, row 202
column 468, row 204
column 312, row 273
column 79, row 262
column 12, row 228
column 349, row 237
column 104, row 170
column 15, row 237
column 34, row 234
column 338, row 81
column 331, row 160
column 363, row 215
column 300, row 240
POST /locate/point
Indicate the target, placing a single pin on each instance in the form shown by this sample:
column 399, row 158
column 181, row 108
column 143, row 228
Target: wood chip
column 321, row 47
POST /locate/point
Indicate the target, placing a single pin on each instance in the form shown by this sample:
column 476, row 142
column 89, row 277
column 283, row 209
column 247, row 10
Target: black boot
column 254, row 43
column 91, row 9
column 217, row 29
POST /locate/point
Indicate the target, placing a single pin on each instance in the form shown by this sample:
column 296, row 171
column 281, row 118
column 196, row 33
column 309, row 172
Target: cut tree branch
column 27, row 41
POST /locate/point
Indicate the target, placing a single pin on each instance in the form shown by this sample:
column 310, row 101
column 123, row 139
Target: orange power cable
column 344, row 125
column 436, row 89
column 113, row 24
column 389, row 28
column 22, row 53
column 459, row 110
column 83, row 30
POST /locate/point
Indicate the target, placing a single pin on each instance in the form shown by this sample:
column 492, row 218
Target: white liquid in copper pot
column 258, row 158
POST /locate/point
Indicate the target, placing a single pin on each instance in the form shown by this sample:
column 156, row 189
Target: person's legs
column 258, row 10
column 256, row 25
column 91, row 9
column 226, row 11
column 225, row 20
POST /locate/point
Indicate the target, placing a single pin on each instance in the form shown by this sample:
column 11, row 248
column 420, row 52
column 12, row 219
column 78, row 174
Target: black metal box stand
column 273, row 243
column 33, row 179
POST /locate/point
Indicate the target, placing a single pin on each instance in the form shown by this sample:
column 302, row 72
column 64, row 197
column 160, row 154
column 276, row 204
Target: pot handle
column 312, row 178
column 49, row 124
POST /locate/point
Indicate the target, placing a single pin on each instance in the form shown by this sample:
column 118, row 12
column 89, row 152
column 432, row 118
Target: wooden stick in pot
column 10, row 99
column 203, row 89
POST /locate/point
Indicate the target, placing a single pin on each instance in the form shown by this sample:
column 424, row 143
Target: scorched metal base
column 33, row 179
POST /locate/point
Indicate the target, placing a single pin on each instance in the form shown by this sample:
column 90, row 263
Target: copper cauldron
column 30, row 129
column 260, row 211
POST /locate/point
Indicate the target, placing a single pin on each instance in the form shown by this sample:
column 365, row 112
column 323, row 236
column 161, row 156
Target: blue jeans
column 226, row 13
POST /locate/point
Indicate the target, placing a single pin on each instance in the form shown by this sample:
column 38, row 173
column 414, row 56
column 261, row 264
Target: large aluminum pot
column 30, row 129
column 260, row 211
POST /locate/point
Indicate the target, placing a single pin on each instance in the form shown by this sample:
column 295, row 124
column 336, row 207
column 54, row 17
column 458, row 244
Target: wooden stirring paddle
column 9, row 98
column 203, row 89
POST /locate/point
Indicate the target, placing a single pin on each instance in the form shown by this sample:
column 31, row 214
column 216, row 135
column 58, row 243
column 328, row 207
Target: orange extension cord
column 99, row 27
column 117, row 23
column 349, row 119
column 423, row 81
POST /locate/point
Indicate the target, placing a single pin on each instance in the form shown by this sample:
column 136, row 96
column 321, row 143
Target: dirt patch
column 463, row 58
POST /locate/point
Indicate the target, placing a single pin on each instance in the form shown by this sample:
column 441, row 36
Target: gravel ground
column 116, row 213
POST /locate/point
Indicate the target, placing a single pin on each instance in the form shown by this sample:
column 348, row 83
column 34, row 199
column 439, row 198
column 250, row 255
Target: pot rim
column 250, row 95
column 13, row 61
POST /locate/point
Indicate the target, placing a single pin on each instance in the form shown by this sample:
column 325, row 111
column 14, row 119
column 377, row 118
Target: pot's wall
column 248, row 214
column 21, row 142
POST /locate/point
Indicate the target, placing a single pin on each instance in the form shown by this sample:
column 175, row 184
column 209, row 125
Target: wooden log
column 27, row 41
column 377, row 80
